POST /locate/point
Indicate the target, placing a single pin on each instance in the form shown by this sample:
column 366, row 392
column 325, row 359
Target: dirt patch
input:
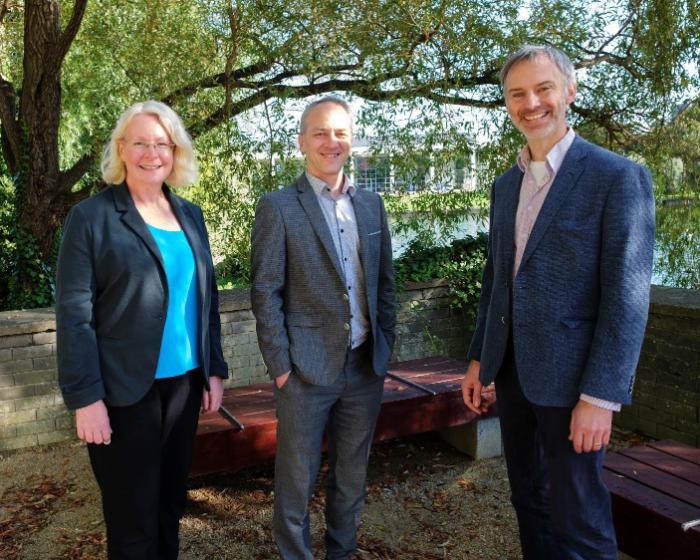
column 425, row 501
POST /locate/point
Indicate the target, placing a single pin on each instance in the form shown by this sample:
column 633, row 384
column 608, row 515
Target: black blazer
column 112, row 298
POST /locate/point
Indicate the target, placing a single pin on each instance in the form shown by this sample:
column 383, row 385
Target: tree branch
column 367, row 89
column 4, row 8
column 68, row 35
column 238, row 79
column 233, row 20
column 71, row 176
column 12, row 132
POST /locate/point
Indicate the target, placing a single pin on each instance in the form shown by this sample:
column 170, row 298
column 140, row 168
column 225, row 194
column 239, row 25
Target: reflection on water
column 676, row 251
column 468, row 226
column 677, row 248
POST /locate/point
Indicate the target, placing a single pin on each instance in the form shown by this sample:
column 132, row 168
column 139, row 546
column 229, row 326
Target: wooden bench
column 419, row 396
column 655, row 491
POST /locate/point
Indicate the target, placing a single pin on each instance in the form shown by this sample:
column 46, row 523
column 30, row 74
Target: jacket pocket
column 577, row 323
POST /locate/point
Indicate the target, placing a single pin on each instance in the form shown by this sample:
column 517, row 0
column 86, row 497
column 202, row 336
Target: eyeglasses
column 160, row 147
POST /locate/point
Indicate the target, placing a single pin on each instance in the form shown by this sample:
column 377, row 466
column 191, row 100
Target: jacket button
column 503, row 319
column 346, row 326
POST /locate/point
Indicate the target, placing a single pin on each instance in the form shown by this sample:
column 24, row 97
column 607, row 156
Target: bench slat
column 654, row 478
column 682, row 450
column 664, row 462
column 648, row 522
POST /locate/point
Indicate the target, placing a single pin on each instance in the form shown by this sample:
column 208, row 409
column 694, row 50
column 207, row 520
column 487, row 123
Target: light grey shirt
column 340, row 216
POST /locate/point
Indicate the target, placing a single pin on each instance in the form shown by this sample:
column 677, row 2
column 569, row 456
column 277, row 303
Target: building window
column 372, row 173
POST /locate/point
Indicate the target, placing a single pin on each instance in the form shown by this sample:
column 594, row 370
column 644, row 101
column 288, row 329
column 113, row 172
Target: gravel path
column 425, row 501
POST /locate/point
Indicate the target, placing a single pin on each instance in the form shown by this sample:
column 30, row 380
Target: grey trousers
column 348, row 411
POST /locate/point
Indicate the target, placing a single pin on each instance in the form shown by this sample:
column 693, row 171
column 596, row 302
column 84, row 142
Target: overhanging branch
column 68, row 35
column 71, row 176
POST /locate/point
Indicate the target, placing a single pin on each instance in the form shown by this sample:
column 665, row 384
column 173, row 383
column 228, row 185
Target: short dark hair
column 531, row 52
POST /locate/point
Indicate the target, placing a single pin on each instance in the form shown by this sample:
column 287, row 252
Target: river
column 676, row 249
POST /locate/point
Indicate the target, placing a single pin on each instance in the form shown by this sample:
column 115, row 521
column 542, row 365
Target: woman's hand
column 92, row 422
column 211, row 399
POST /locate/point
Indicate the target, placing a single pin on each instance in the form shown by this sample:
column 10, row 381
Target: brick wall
column 31, row 407
column 666, row 398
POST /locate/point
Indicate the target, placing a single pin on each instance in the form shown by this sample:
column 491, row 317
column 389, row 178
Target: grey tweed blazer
column 298, row 293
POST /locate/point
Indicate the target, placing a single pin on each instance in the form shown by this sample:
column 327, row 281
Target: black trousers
column 142, row 474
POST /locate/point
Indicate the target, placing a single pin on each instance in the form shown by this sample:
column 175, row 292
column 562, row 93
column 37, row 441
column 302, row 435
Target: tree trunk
column 40, row 108
column 30, row 142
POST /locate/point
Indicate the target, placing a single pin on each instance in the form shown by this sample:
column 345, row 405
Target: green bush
column 461, row 263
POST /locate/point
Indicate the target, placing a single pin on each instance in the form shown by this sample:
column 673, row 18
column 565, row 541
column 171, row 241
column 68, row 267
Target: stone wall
column 31, row 407
column 666, row 398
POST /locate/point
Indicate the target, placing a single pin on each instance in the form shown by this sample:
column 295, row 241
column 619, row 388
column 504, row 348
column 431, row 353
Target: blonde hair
column 184, row 164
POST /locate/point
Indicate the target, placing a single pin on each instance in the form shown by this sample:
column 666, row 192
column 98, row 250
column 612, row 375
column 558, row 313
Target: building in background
column 376, row 173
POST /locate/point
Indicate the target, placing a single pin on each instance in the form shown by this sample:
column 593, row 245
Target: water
column 676, row 249
column 466, row 227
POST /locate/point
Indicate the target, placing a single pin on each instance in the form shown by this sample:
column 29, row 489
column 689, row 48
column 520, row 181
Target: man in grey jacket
column 323, row 297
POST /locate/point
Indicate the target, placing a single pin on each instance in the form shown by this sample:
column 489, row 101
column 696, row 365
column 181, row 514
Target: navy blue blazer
column 578, row 305
column 112, row 298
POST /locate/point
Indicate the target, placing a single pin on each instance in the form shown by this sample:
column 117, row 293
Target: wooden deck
column 222, row 446
column 655, row 490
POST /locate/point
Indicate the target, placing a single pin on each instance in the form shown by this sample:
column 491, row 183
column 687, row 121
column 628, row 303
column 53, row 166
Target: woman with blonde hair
column 138, row 330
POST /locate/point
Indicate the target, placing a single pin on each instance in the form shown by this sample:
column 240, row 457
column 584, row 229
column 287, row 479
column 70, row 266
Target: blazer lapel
column 566, row 178
column 188, row 222
column 307, row 198
column 511, row 197
column 131, row 217
column 363, row 215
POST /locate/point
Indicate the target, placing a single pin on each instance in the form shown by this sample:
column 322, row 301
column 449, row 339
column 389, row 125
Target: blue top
column 178, row 348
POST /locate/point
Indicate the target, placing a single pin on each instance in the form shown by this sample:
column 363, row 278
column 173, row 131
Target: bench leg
column 480, row 439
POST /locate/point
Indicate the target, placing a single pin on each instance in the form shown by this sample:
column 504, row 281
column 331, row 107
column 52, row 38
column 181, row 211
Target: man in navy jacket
column 563, row 308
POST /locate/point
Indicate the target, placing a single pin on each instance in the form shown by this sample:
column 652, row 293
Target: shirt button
column 346, row 326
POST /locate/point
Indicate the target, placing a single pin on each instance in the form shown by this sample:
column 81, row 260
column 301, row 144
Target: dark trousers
column 561, row 502
column 142, row 474
column 347, row 410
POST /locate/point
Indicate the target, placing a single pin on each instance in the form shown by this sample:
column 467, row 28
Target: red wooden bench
column 419, row 396
column 655, row 497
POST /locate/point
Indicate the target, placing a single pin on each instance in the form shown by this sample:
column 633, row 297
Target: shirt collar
column 320, row 186
column 555, row 156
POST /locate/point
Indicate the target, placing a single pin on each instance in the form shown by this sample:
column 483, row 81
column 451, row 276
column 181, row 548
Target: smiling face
column 537, row 96
column 146, row 151
column 326, row 141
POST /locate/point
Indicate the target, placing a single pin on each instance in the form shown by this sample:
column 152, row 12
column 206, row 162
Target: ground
column 425, row 501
